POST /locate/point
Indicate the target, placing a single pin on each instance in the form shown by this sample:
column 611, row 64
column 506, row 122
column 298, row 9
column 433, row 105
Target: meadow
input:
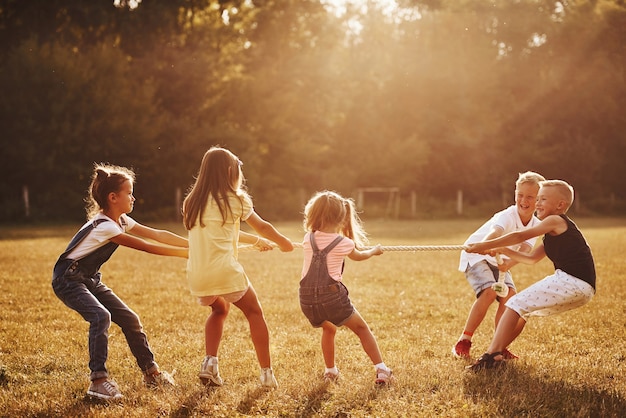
column 570, row 365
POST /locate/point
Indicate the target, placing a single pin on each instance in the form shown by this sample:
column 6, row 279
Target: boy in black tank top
column 573, row 283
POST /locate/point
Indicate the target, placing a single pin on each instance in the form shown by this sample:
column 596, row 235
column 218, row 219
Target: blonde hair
column 106, row 178
column 219, row 176
column 529, row 177
column 565, row 191
column 328, row 209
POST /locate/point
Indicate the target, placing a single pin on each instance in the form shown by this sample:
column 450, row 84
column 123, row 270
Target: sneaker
column 159, row 379
column 267, row 378
column 462, row 349
column 486, row 361
column 209, row 372
column 107, row 390
column 330, row 377
column 507, row 355
column 384, row 377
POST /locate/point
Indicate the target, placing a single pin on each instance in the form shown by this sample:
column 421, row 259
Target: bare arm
column 137, row 243
column 533, row 257
column 553, row 224
column 159, row 235
column 255, row 240
column 508, row 263
column 360, row 255
column 267, row 230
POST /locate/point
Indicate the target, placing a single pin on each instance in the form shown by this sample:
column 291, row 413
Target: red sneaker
column 462, row 349
column 507, row 355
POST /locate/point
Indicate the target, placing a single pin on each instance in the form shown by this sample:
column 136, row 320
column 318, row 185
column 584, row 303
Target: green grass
column 571, row 365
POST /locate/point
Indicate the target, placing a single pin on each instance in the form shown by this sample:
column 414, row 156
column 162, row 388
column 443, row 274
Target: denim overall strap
column 317, row 280
column 326, row 250
column 87, row 266
column 80, row 236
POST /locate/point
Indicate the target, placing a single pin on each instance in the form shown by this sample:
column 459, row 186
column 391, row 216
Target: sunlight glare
column 388, row 8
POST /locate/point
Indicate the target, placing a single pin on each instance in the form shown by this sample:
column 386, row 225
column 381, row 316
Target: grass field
column 571, row 365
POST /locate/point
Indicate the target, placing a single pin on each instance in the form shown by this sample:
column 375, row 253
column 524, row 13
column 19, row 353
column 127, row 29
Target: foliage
column 428, row 96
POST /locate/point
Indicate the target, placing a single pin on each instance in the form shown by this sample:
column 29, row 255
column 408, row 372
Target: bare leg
column 328, row 343
column 501, row 307
column 358, row 325
column 214, row 326
column 251, row 308
column 509, row 328
column 479, row 310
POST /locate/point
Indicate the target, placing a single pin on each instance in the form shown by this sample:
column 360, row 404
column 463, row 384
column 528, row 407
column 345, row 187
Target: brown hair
column 106, row 178
column 329, row 209
column 218, row 177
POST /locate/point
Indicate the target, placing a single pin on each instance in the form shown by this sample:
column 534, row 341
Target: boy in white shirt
column 482, row 271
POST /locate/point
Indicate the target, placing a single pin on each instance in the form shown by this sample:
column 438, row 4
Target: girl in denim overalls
column 76, row 277
column 334, row 232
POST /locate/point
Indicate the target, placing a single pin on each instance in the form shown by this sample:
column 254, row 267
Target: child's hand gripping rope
column 501, row 289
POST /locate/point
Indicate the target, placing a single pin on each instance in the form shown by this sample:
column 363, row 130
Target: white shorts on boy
column 559, row 292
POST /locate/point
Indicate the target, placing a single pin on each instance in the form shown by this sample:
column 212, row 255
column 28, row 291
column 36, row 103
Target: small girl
column 77, row 278
column 332, row 225
column 212, row 212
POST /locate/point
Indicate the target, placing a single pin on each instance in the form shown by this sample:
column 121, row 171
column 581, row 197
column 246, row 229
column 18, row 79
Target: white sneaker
column 267, row 378
column 384, row 377
column 107, row 390
column 209, row 372
column 330, row 377
column 159, row 379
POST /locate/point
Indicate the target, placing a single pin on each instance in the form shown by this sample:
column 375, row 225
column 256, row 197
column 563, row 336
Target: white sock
column 332, row 370
column 381, row 365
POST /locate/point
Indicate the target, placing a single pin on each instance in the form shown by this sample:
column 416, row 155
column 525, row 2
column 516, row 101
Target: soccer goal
column 387, row 201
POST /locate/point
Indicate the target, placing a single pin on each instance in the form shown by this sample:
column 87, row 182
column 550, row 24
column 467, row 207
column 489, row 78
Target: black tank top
column 570, row 253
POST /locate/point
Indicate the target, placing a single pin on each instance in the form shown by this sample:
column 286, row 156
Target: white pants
column 557, row 293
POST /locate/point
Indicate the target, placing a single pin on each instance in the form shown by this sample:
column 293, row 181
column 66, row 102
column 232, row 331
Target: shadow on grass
column 523, row 391
column 191, row 402
column 247, row 403
column 312, row 401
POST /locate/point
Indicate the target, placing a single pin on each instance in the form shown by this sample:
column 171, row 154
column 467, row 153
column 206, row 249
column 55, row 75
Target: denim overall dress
column 77, row 283
column 323, row 298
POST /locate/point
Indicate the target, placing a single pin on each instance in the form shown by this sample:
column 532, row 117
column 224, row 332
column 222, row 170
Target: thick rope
column 390, row 247
column 421, row 247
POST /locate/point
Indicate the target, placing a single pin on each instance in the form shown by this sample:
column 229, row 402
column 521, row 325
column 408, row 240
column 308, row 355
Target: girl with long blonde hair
column 212, row 213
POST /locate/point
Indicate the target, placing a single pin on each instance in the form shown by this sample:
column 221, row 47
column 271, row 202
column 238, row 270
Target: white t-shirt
column 101, row 234
column 507, row 219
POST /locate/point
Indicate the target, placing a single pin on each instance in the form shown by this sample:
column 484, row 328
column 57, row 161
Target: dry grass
column 416, row 303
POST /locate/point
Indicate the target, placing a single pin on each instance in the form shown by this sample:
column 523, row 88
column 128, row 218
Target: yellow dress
column 212, row 268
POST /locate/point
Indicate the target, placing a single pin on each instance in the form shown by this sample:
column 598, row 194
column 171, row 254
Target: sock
column 332, row 370
column 381, row 365
column 466, row 335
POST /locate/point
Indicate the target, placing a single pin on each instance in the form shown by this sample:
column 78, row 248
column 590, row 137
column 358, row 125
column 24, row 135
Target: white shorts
column 557, row 293
column 228, row 297
column 482, row 275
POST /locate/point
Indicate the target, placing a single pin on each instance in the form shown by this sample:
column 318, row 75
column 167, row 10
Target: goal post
column 392, row 208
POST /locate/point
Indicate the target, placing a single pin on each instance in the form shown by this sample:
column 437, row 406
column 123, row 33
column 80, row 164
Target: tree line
column 429, row 96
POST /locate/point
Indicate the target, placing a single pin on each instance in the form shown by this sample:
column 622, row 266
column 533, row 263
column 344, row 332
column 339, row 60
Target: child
column 482, row 271
column 212, row 212
column 334, row 231
column 77, row 279
column 573, row 283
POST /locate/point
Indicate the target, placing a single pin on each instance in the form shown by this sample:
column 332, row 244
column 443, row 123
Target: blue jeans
column 98, row 305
